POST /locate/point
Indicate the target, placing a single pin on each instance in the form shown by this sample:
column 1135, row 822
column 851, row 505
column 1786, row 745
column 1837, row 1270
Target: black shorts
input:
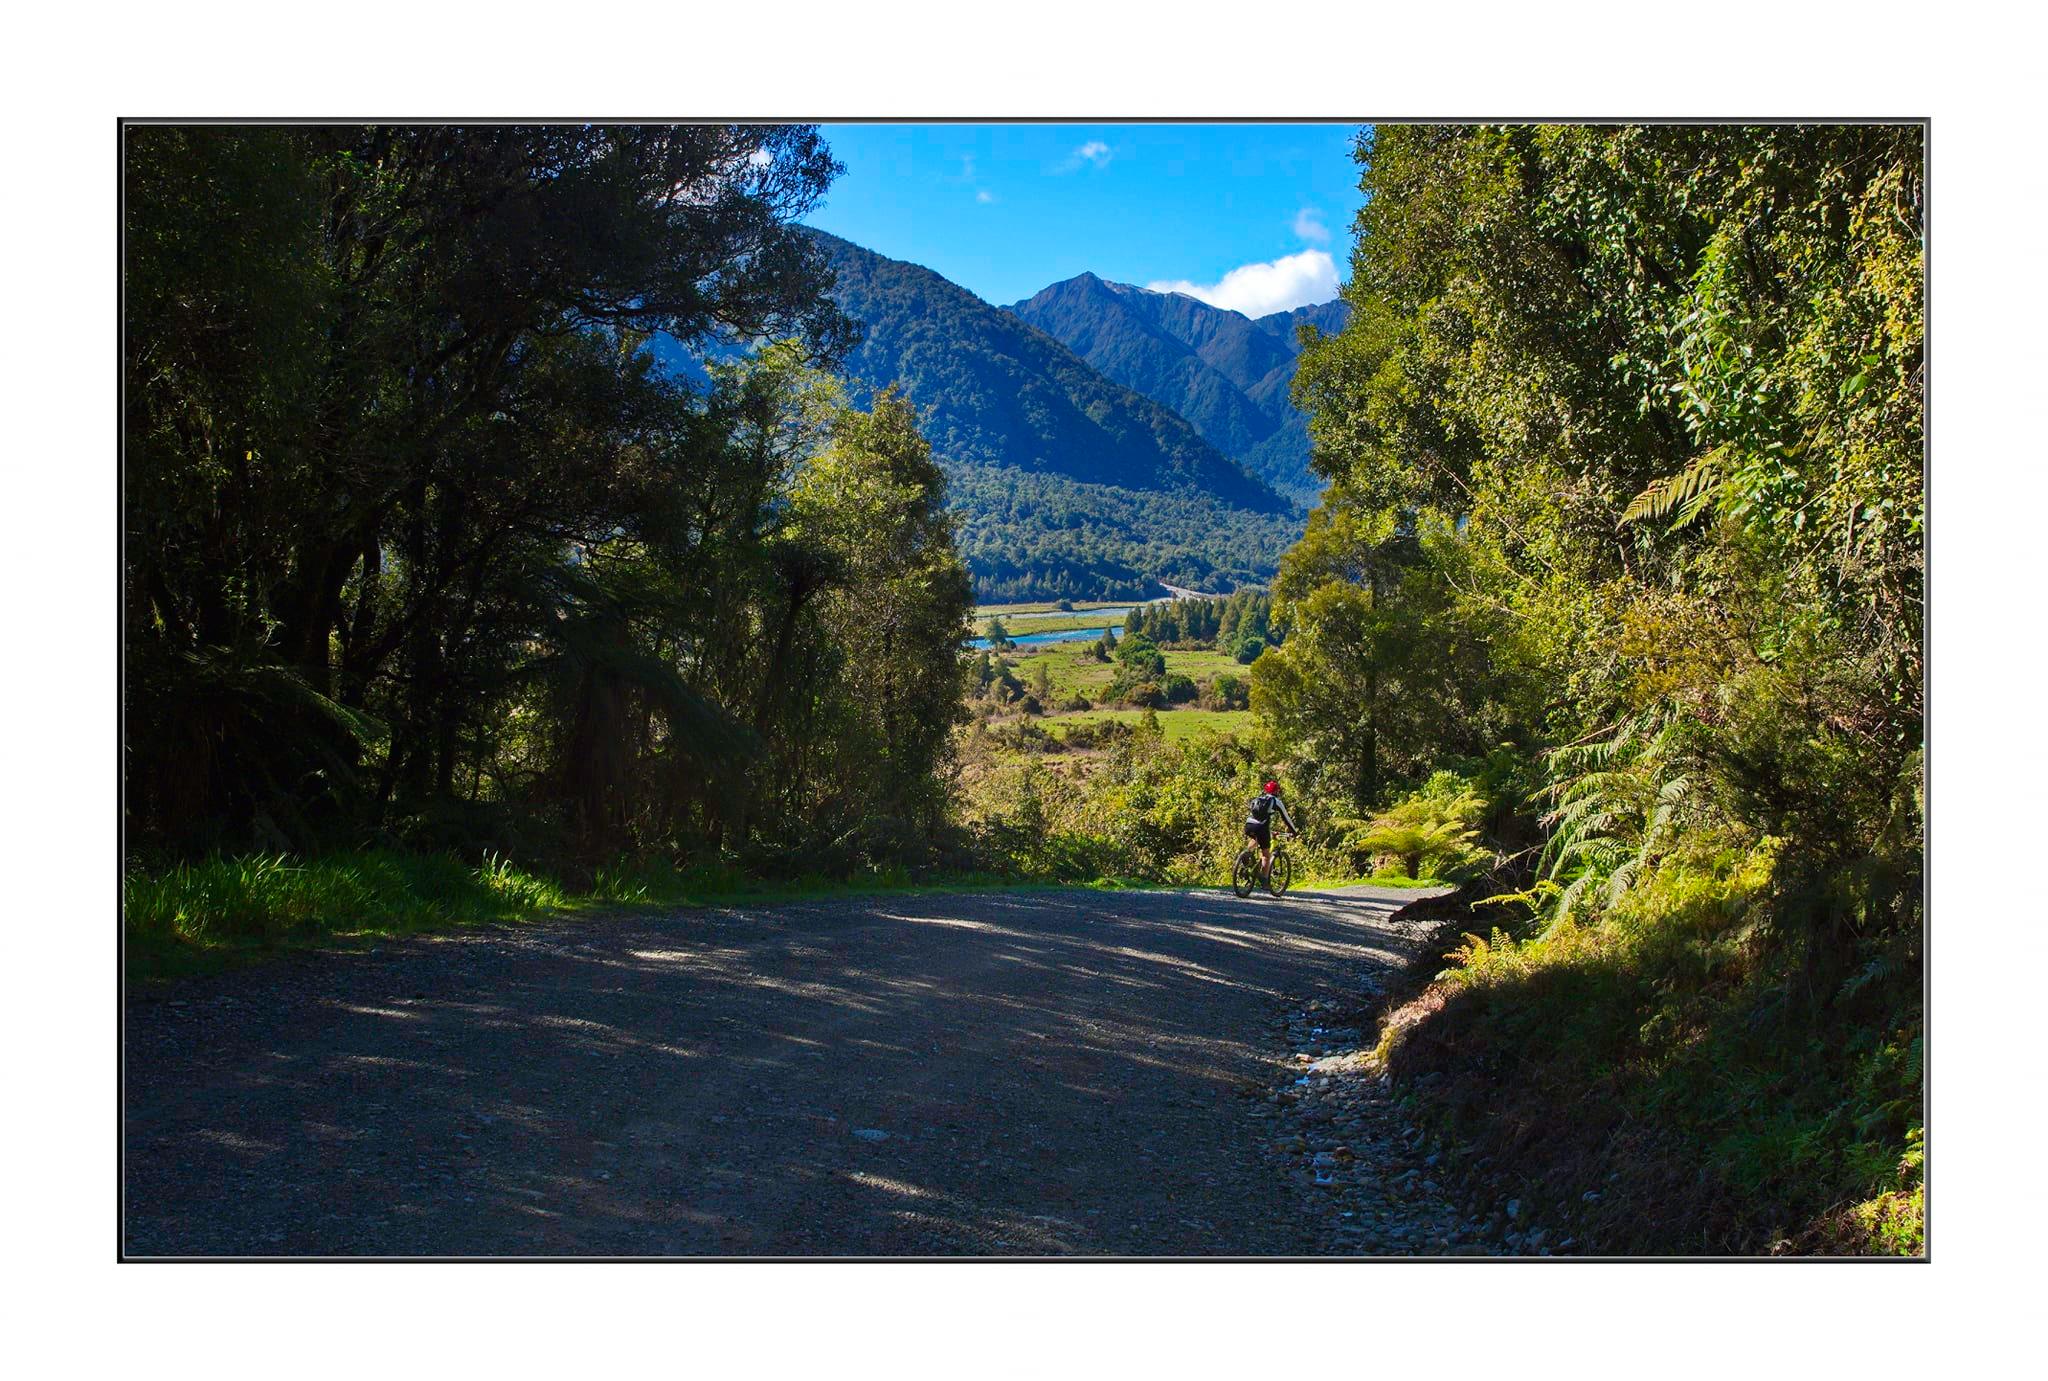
column 1259, row 833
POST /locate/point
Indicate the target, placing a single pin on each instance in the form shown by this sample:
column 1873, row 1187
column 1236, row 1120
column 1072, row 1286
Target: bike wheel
column 1282, row 875
column 1246, row 873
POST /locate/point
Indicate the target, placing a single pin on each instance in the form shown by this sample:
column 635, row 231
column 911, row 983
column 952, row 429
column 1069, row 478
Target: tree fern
column 1618, row 802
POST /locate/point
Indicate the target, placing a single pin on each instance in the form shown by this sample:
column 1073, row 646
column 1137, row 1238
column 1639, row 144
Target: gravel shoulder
column 1030, row 1073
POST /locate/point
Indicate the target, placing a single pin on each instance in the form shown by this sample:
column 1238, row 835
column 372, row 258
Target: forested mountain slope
column 1071, row 483
column 1226, row 373
column 999, row 392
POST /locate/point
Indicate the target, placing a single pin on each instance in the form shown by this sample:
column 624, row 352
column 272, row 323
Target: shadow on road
column 1028, row 1072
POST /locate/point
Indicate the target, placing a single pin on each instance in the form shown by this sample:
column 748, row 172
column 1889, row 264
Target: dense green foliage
column 1068, row 485
column 1152, row 810
column 1228, row 374
column 1433, row 833
column 422, row 548
column 1625, row 441
column 1147, row 807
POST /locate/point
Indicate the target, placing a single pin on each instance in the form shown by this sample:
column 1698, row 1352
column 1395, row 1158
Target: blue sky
column 1252, row 217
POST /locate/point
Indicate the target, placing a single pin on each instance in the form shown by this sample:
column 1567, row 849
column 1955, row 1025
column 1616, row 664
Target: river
column 1064, row 635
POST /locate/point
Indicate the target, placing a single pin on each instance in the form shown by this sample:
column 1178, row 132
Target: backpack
column 1262, row 808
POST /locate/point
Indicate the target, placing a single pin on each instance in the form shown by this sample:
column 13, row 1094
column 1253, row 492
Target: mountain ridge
column 1227, row 373
column 1068, row 483
column 1013, row 394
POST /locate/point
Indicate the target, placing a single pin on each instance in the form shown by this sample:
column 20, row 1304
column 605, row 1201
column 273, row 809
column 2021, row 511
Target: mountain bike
column 1244, row 875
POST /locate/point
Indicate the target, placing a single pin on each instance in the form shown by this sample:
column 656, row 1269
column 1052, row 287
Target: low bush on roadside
column 1433, row 834
column 1667, row 1055
column 1149, row 810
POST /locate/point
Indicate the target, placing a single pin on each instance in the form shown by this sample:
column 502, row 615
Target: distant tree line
column 1240, row 624
column 1034, row 536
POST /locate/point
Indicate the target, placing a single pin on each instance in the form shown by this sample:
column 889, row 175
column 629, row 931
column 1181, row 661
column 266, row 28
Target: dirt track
column 1029, row 1072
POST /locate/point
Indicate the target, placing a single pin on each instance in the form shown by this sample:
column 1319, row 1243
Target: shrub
column 1226, row 692
column 1431, row 834
column 1025, row 736
column 1733, row 1113
column 1095, row 733
column 1141, row 657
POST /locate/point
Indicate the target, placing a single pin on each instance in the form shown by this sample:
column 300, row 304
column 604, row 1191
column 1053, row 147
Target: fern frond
column 1688, row 491
column 1541, row 891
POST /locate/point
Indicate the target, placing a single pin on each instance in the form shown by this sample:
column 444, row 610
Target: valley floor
column 1070, row 670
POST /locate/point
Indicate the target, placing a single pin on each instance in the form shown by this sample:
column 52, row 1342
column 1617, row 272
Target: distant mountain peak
column 1034, row 403
column 1227, row 373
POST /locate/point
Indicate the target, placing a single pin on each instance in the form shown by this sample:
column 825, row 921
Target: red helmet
column 1272, row 788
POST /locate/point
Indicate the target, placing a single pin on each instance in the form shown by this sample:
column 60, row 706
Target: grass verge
column 221, row 912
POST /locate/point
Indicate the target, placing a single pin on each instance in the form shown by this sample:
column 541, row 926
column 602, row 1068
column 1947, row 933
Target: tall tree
column 380, row 381
column 1650, row 401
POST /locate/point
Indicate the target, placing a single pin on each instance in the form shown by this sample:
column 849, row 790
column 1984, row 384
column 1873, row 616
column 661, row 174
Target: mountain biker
column 1258, row 823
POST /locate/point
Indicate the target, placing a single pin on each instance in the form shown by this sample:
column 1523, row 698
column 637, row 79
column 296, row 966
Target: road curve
column 1030, row 1073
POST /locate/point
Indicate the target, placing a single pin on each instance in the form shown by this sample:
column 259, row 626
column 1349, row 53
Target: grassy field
column 1202, row 665
column 1177, row 724
column 1071, row 670
column 983, row 611
column 1068, row 670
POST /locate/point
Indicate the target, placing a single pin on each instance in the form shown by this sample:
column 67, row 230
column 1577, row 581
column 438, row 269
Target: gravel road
column 1029, row 1073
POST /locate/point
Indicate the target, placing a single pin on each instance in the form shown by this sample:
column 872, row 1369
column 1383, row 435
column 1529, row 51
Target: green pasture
column 1177, row 724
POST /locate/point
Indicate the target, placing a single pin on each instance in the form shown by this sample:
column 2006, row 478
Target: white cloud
column 1294, row 280
column 760, row 158
column 1093, row 152
column 1308, row 225
column 984, row 196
